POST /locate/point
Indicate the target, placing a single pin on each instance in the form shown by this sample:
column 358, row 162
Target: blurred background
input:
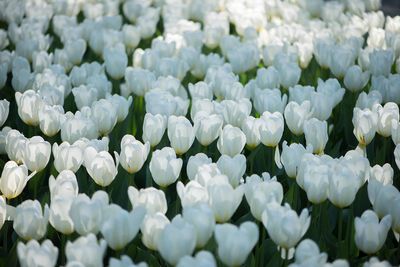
column 391, row 7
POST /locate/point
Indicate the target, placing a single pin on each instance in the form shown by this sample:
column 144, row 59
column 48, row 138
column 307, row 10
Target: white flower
column 133, row 153
column 35, row 254
column 165, row 167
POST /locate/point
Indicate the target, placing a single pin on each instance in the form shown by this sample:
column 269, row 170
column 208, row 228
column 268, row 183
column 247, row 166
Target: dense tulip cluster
column 199, row 133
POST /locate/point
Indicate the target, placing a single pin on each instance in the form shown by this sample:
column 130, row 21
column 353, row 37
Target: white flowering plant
column 199, row 133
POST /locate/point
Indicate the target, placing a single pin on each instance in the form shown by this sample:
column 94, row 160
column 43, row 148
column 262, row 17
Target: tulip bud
column 133, row 153
column 153, row 128
column 223, row 198
column 321, row 105
column 29, row 104
column 383, row 174
column 116, row 219
column 37, row 153
column 283, row 224
column 67, row 157
column 152, row 199
column 270, row 100
column 4, row 108
column 371, row 234
column 35, row 254
column 261, row 191
column 50, row 119
column 235, row 243
column 115, row 60
column 307, row 252
column 14, row 179
column 207, row 127
column 365, row 125
column 86, row 250
column 381, row 62
column 122, row 105
column 232, row 167
column 151, row 228
column 176, row 240
column 380, row 195
column 139, row 81
column 15, row 145
column 234, row 112
column 291, row 157
column 78, row 125
column 202, row 258
column 101, row 166
column 231, row 141
column 165, row 167
column 342, row 58
column 289, row 73
column 104, row 115
column 316, row 133
column 271, row 129
column 296, row 114
column 181, row 134
column 201, row 217
column 387, row 113
column 375, row 262
column 29, row 220
column 200, row 90
column 251, row 128
column 194, row 163
column 84, row 96
column 355, row 79
column 192, row 193
column 124, row 262
column 87, row 214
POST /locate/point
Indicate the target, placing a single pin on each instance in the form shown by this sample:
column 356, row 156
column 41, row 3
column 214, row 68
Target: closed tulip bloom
column 165, row 167
column 30, row 222
column 29, row 104
column 375, row 262
column 206, row 107
column 313, row 176
column 206, row 173
column 365, row 125
column 231, row 141
column 223, row 198
column 67, row 157
column 383, row 174
column 201, row 217
column 181, row 134
column 355, row 79
column 14, row 179
column 177, row 239
column 191, row 193
column 101, row 166
column 203, row 258
column 3, row 211
column 116, row 219
column 232, row 167
column 4, row 108
column 291, row 157
column 125, row 261
column 200, row 90
column 33, row 254
column 270, row 100
column 381, row 62
column 195, row 162
column 234, row 112
column 308, row 254
column 321, row 105
column 116, row 61
column 343, row 185
column 284, row 226
column 289, row 73
column 37, row 153
column 133, row 153
column 235, row 243
column 261, row 191
column 371, row 234
column 271, row 129
column 381, row 195
column 59, row 214
column 50, row 119
column 78, row 125
column 342, row 58
column 84, row 96
column 86, row 250
column 251, row 128
column 153, row 128
column 152, row 199
column 207, row 127
column 152, row 226
column 395, row 132
column 139, row 80
column 386, row 114
column 87, row 213
column 122, row 105
column 296, row 114
column 316, row 133
column 104, row 115
column 15, row 145
column 66, row 185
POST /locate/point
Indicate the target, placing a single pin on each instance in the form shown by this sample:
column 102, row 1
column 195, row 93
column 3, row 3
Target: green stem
column 340, row 225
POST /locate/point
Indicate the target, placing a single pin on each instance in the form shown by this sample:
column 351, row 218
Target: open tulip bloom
column 199, row 133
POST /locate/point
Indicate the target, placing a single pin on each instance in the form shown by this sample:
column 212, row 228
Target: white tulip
column 151, row 228
column 4, row 109
column 251, row 128
column 202, row 258
column 164, row 167
column 33, row 254
column 104, row 115
column 67, row 157
column 101, row 166
column 195, row 162
column 316, row 133
column 86, row 250
column 191, row 193
column 37, row 153
column 365, row 125
column 152, row 199
column 233, row 167
column 29, row 104
column 231, row 141
column 386, row 114
column 181, row 134
column 122, row 104
column 30, row 222
column 133, row 153
column 50, row 119
column 296, row 114
column 207, row 127
column 14, row 179
column 153, row 128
